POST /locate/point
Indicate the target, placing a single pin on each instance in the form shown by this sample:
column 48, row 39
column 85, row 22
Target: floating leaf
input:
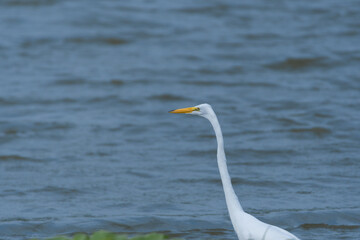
column 103, row 235
column 80, row 236
column 121, row 237
column 151, row 236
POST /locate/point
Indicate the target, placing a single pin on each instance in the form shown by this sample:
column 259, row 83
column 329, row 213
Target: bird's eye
column 197, row 109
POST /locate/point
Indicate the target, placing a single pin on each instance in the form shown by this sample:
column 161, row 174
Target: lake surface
column 87, row 143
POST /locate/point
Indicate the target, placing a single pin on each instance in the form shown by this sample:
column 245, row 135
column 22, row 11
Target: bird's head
column 203, row 110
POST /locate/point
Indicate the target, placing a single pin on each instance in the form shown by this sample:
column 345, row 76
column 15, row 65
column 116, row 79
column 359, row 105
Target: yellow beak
column 183, row 110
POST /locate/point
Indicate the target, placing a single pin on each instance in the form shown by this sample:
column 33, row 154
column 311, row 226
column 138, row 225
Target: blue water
column 86, row 141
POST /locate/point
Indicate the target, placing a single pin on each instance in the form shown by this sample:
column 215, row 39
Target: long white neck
column 232, row 201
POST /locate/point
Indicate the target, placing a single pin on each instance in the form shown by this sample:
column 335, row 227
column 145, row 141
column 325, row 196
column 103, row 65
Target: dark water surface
column 86, row 142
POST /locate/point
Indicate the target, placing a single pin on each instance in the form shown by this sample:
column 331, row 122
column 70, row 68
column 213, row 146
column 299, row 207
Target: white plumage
column 247, row 227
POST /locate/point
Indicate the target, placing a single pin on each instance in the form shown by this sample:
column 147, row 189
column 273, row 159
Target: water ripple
column 297, row 64
column 30, row 3
column 97, row 40
column 309, row 226
column 167, row 97
column 17, row 158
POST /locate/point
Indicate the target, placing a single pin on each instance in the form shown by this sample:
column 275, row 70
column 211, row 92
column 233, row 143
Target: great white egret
column 247, row 227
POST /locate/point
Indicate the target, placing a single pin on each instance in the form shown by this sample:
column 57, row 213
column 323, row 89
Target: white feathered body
column 246, row 226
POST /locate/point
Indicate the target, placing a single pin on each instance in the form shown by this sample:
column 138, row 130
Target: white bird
column 247, row 227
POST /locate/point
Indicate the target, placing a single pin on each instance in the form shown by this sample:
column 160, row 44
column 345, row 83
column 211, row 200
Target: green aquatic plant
column 105, row 235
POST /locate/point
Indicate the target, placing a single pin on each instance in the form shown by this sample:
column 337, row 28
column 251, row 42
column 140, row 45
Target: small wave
column 116, row 82
column 38, row 126
column 234, row 70
column 12, row 157
column 238, row 181
column 284, row 105
column 99, row 154
column 167, row 97
column 20, row 129
column 322, row 115
column 189, row 57
column 347, row 161
column 216, row 231
column 267, row 152
column 206, row 83
column 11, row 192
column 31, row 43
column 5, row 102
column 199, row 180
column 57, row 190
column 163, row 206
column 304, row 192
column 259, row 84
column 228, row 45
column 289, row 121
column 230, row 84
column 54, row 101
column 139, row 174
column 11, row 131
column 255, row 153
column 228, row 71
column 328, row 226
column 17, row 158
column 21, row 219
column 121, row 128
column 31, row 101
column 71, row 81
column 40, row 42
column 112, row 98
column 207, row 136
column 81, row 81
column 31, row 3
column 202, row 152
column 261, row 36
column 293, row 64
column 212, row 10
column 315, row 130
column 264, row 183
column 97, row 40
column 45, row 101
